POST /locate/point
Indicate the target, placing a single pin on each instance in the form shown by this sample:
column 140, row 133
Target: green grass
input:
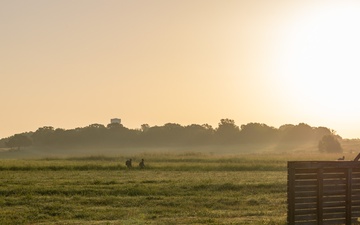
column 173, row 189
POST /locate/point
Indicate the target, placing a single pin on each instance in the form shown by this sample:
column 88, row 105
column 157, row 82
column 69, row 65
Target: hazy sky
column 71, row 63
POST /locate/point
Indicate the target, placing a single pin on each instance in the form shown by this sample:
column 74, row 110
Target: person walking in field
column 142, row 164
column 128, row 163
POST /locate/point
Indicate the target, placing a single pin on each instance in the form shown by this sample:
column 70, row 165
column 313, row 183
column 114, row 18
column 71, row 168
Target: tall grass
column 186, row 188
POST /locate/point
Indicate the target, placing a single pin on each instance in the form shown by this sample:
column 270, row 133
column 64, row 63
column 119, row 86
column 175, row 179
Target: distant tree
column 257, row 133
column 95, row 126
column 172, row 134
column 62, row 137
column 145, row 127
column 320, row 132
column 113, row 126
column 227, row 131
column 299, row 133
column 195, row 134
column 329, row 144
column 208, row 127
column 93, row 134
column 173, row 126
column 286, row 127
column 226, row 126
column 43, row 136
column 18, row 141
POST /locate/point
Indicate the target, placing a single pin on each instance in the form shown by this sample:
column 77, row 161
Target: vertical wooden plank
column 291, row 194
column 348, row 195
column 345, row 176
column 320, row 194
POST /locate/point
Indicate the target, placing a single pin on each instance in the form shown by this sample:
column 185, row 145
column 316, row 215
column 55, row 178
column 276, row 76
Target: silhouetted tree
column 227, row 131
column 195, row 134
column 286, row 127
column 43, row 136
column 330, row 144
column 320, row 132
column 257, row 133
column 173, row 134
column 18, row 140
column 299, row 133
column 114, row 126
column 145, row 127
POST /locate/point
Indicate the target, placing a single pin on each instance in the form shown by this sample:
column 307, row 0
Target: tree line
column 171, row 135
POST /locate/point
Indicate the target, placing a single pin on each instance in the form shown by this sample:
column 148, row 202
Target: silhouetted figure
column 142, row 164
column 342, row 158
column 128, row 163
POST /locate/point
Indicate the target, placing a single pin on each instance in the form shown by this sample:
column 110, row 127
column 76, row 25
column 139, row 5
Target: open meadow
column 189, row 188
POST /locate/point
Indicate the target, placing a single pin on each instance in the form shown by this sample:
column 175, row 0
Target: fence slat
column 323, row 192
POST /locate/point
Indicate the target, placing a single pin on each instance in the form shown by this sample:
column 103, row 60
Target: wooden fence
column 323, row 192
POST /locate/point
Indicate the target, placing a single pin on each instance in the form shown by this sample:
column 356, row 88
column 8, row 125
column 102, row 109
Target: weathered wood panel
column 323, row 192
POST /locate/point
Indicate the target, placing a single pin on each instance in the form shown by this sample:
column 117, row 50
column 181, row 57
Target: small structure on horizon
column 115, row 121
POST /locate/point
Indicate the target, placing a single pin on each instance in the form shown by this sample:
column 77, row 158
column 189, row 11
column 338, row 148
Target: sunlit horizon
column 72, row 64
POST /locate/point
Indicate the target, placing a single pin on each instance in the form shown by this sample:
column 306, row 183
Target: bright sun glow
column 321, row 61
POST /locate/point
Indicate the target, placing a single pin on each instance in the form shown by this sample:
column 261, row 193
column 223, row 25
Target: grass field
column 189, row 188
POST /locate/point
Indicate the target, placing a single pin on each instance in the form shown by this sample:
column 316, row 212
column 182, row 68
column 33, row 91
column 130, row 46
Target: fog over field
column 208, row 99
column 228, row 138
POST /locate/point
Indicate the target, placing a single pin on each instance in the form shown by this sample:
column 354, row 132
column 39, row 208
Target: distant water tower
column 115, row 121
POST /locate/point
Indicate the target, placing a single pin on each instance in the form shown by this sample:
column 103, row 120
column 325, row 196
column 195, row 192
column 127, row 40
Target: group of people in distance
column 128, row 164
